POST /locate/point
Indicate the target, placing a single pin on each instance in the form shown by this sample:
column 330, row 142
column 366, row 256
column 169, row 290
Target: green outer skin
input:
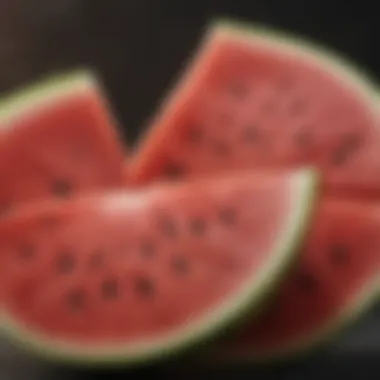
column 369, row 89
column 230, row 312
column 348, row 316
column 295, row 45
column 52, row 88
column 303, row 48
column 49, row 89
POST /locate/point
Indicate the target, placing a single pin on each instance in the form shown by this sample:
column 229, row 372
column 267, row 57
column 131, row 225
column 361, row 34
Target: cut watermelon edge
column 206, row 328
column 180, row 90
column 304, row 48
column 47, row 90
column 53, row 88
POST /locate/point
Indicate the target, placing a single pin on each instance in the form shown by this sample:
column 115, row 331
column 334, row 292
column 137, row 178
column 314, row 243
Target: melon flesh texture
column 335, row 281
column 134, row 276
column 252, row 100
column 57, row 137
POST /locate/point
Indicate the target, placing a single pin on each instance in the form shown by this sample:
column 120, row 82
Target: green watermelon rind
column 362, row 83
column 346, row 71
column 253, row 294
column 297, row 46
column 51, row 88
column 308, row 343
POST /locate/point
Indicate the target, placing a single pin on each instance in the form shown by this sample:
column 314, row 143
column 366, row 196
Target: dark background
column 138, row 47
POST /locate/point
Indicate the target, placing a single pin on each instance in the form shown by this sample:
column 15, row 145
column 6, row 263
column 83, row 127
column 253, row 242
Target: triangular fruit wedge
column 132, row 277
column 336, row 281
column 256, row 98
column 58, row 137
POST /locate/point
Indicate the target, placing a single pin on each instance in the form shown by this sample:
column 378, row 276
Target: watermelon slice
column 256, row 98
column 137, row 276
column 57, row 137
column 335, row 282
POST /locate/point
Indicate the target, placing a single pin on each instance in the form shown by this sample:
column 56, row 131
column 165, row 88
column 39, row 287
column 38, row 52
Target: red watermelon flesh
column 143, row 274
column 335, row 282
column 57, row 137
column 256, row 99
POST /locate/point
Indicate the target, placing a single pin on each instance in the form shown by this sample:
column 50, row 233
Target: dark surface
column 355, row 356
column 138, row 47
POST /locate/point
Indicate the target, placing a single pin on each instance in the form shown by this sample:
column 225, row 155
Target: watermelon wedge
column 254, row 98
column 133, row 277
column 58, row 137
column 257, row 98
column 335, row 282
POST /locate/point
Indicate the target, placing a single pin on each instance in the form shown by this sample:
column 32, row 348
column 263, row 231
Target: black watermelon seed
column 347, row 147
column 174, row 171
column 221, row 148
column 197, row 226
column 251, row 134
column 339, row 255
column 168, row 227
column 180, row 265
column 144, row 287
column 228, row 216
column 307, row 282
column 66, row 263
column 61, row 188
column 147, row 249
column 26, row 251
column 75, row 300
column 110, row 289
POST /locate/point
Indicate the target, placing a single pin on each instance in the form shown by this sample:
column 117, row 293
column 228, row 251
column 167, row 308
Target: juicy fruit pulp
column 251, row 100
column 255, row 100
column 334, row 281
column 56, row 138
column 132, row 276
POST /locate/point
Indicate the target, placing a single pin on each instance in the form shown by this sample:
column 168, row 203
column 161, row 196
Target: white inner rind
column 286, row 44
column 302, row 195
column 358, row 82
column 33, row 97
column 258, row 37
